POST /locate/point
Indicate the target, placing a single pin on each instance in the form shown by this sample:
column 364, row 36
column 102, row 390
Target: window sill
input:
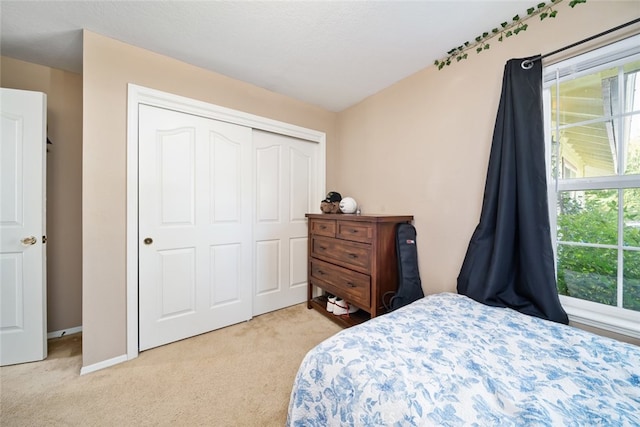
column 612, row 319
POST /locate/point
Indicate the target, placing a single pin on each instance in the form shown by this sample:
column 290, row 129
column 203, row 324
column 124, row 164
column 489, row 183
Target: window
column 592, row 121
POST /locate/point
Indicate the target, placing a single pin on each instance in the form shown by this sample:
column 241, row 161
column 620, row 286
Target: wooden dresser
column 353, row 257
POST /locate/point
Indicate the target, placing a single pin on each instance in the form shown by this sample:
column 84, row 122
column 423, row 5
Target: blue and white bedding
column 447, row 360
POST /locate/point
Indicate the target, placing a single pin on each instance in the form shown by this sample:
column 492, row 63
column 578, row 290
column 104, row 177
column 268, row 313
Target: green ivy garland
column 543, row 10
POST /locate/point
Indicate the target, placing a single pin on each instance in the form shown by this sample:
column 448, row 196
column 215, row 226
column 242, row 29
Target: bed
column 447, row 360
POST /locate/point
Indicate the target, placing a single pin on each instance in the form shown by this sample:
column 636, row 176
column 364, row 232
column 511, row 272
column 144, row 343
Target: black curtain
column 510, row 261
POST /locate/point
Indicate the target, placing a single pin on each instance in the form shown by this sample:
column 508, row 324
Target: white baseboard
column 60, row 333
column 102, row 365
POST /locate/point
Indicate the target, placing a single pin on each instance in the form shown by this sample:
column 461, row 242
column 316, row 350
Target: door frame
column 137, row 95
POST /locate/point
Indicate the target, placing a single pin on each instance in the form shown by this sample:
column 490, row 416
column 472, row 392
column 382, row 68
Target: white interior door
column 23, row 318
column 194, row 225
column 286, row 171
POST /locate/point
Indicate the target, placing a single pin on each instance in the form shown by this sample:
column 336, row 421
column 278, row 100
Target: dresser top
column 362, row 217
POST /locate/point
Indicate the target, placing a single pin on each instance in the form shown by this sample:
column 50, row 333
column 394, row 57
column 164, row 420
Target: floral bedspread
column 447, row 360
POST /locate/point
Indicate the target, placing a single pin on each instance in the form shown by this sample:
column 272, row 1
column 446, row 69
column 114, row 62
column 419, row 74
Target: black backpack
column 409, row 284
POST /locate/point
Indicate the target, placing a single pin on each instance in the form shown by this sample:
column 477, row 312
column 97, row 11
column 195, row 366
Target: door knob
column 148, row 241
column 28, row 241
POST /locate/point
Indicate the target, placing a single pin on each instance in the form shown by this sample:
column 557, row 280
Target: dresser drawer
column 323, row 227
column 352, row 286
column 351, row 254
column 355, row 231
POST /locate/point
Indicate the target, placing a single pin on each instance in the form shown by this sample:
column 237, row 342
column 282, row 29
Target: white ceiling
column 329, row 53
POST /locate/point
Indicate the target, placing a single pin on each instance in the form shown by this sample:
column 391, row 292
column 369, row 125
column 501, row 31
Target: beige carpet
column 236, row 376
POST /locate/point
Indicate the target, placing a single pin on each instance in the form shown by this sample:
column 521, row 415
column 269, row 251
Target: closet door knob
column 28, row 241
column 148, row 241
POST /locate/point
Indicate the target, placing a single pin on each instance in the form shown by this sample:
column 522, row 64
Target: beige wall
column 64, row 184
column 108, row 66
column 422, row 146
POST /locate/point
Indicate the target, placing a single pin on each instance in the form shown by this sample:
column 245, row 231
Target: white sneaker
column 342, row 307
column 331, row 303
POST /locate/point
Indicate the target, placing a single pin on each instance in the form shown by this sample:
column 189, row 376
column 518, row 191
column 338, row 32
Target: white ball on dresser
column 348, row 205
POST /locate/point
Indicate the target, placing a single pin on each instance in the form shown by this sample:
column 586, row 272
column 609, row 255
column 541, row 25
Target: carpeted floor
column 236, row 376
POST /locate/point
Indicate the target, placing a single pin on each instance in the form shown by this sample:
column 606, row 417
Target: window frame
column 610, row 318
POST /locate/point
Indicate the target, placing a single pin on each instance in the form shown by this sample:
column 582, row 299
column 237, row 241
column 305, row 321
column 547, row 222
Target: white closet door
column 286, row 171
column 195, row 186
column 23, row 309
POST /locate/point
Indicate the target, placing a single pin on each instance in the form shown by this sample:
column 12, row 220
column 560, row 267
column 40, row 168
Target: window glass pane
column 591, row 149
column 631, row 71
column 588, row 216
column 568, row 169
column 631, row 67
column 554, row 155
column 587, row 98
column 588, row 273
column 631, row 281
column 632, row 122
column 632, row 152
column 632, row 217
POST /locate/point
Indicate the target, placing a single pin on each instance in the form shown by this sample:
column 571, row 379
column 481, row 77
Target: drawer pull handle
column 353, row 256
column 322, row 248
column 351, row 285
column 323, row 227
column 320, row 272
column 354, row 231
